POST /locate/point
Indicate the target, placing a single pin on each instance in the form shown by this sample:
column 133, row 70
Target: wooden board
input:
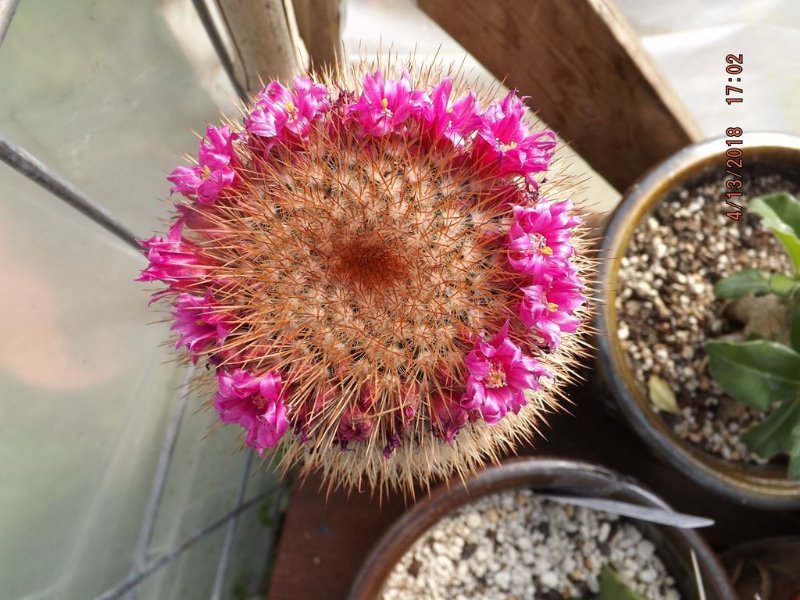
column 586, row 71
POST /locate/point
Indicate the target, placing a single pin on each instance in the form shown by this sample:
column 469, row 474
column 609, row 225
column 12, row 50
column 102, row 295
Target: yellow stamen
column 205, row 172
column 496, row 378
column 509, row 146
column 385, row 103
column 552, row 306
column 289, row 106
column 200, row 322
column 546, row 250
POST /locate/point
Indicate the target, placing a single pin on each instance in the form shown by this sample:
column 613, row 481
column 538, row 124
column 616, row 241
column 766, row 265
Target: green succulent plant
column 764, row 371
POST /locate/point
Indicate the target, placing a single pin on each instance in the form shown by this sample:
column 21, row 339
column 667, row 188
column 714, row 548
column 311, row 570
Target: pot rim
column 762, row 487
column 530, row 473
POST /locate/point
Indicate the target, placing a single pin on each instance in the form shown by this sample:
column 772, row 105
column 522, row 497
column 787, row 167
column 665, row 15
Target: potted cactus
column 685, row 242
column 377, row 277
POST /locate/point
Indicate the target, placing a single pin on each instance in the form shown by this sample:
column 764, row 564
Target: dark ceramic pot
column 756, row 485
column 545, row 475
column 768, row 568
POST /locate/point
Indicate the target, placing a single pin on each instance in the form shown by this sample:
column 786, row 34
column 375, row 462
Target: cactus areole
column 369, row 268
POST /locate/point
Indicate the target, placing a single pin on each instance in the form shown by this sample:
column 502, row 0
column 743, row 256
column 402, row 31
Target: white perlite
column 515, row 545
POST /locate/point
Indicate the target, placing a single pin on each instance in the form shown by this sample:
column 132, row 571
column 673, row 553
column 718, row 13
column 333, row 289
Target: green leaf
column 757, row 373
column 782, row 285
column 613, row 588
column 779, row 434
column 795, row 324
column 781, row 214
column 749, row 281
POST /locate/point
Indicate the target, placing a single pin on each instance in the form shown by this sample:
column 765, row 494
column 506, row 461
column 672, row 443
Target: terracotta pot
column 546, row 475
column 761, row 486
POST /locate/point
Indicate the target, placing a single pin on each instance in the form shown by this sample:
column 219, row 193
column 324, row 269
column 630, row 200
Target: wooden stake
column 265, row 41
column 319, row 22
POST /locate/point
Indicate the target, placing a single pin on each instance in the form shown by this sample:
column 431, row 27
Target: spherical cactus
column 371, row 270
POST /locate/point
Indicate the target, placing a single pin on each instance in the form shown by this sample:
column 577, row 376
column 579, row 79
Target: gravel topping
column 514, row 545
column 667, row 309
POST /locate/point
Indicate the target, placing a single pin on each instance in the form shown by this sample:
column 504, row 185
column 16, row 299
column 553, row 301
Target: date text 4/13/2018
column 734, row 163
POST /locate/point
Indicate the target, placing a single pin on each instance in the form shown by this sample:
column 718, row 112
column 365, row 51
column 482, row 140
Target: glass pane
column 191, row 575
column 86, row 393
column 105, row 93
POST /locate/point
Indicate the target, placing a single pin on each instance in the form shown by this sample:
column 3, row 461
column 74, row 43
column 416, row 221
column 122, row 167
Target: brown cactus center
column 369, row 263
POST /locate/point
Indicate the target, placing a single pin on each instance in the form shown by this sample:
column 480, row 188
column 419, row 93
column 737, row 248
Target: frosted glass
column 189, row 576
column 85, row 398
column 254, row 535
column 203, row 479
column 108, row 92
column 105, row 93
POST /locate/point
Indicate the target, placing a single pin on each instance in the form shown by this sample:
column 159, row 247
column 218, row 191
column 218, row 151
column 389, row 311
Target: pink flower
column 498, row 374
column 548, row 308
column 278, row 110
column 355, row 424
column 214, row 171
column 447, row 416
column 391, row 445
column 199, row 323
column 408, row 403
column 173, row 260
column 306, row 414
column 539, row 237
column 503, row 141
column 255, row 403
column 455, row 121
column 385, row 105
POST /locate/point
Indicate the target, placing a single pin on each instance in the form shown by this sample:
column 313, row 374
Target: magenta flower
column 404, row 418
column 447, row 416
column 214, row 170
column 173, row 260
column 385, row 105
column 354, row 426
column 498, row 374
column 548, row 309
column 539, row 237
column 455, row 121
column 255, row 403
column 279, row 111
column 199, row 323
column 504, row 141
